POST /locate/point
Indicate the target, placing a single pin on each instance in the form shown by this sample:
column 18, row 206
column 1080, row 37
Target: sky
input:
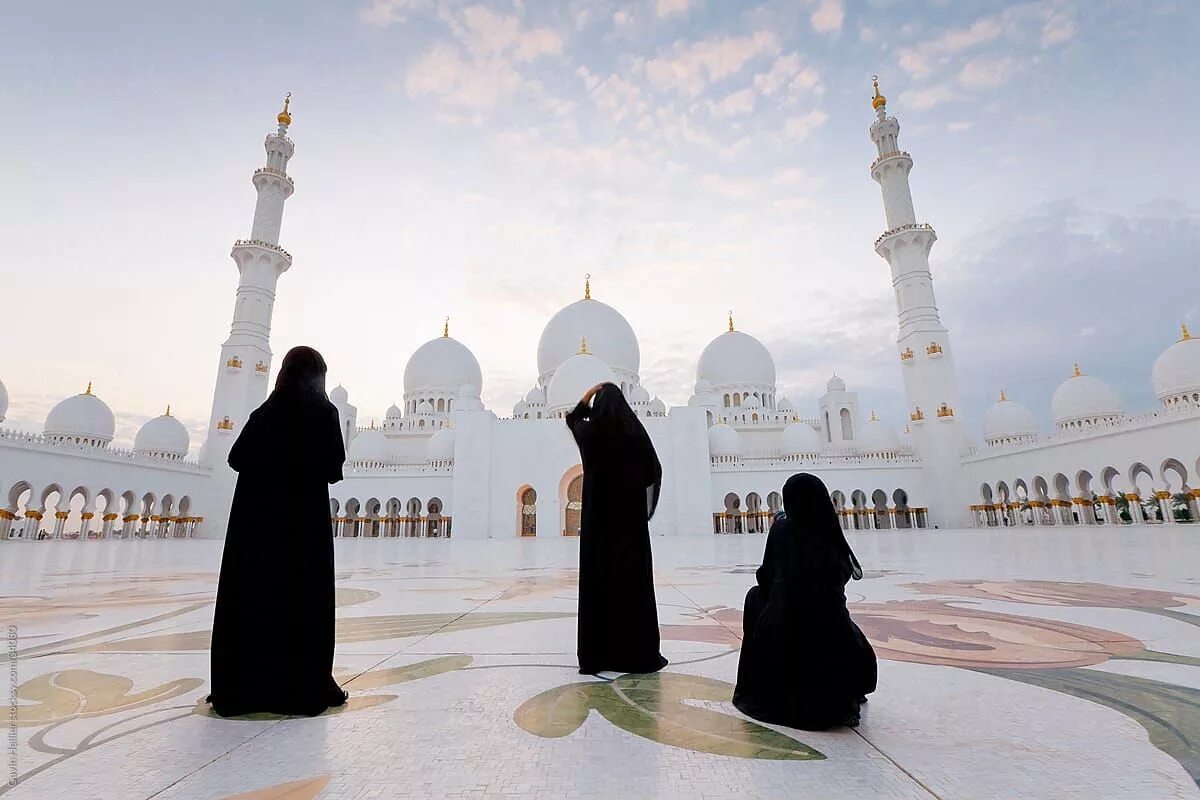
column 476, row 159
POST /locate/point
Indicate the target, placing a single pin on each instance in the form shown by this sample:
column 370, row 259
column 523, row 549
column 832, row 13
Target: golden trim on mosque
column 1077, row 373
column 587, row 286
column 261, row 368
column 731, row 320
column 168, row 412
column 945, row 411
column 933, row 349
column 88, row 392
column 1184, row 333
column 582, row 346
column 284, row 117
column 873, row 417
column 917, row 415
column 446, row 328
column 908, row 354
column 878, row 101
column 225, row 424
column 1002, row 397
column 234, row 363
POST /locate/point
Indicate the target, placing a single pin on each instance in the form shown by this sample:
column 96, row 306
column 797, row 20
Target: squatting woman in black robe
column 618, row 618
column 804, row 663
column 272, row 640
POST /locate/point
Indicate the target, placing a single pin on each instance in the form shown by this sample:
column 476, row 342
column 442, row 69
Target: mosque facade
column 444, row 465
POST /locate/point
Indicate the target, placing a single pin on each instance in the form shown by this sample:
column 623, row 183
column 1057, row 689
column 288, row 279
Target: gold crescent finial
column 731, row 320
column 446, row 328
column 873, row 417
column 878, row 101
column 587, row 286
column 1077, row 372
column 168, row 410
column 285, row 118
column 583, row 345
column 1184, row 333
column 1002, row 397
column 89, row 389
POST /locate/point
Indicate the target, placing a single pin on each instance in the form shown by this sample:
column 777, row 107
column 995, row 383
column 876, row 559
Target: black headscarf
column 809, row 507
column 302, row 374
column 611, row 412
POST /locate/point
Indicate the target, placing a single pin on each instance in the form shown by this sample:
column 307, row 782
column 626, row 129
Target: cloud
column 800, row 127
column 382, row 13
column 487, row 33
column 959, row 127
column 668, row 8
column 787, row 72
column 737, row 103
column 733, row 188
column 477, row 85
column 1059, row 28
column 986, row 73
column 690, row 67
column 828, row 17
column 1064, row 250
column 928, row 97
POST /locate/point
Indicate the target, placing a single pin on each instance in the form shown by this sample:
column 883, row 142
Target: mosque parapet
column 36, row 441
column 824, row 460
column 265, row 246
column 888, row 156
column 441, row 468
column 277, row 173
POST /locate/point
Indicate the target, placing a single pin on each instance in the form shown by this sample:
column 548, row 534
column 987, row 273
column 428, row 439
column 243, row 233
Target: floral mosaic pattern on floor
column 1050, row 673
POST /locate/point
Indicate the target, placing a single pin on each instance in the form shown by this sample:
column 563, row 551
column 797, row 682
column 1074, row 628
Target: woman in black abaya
column 618, row 619
column 272, row 640
column 804, row 663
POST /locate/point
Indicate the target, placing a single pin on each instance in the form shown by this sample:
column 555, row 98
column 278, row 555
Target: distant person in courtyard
column 804, row 663
column 618, row 618
column 272, row 639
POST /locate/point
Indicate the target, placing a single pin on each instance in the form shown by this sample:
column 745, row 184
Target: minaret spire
column 923, row 342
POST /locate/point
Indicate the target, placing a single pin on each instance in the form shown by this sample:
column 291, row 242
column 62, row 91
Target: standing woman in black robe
column 272, row 640
column 804, row 663
column 618, row 618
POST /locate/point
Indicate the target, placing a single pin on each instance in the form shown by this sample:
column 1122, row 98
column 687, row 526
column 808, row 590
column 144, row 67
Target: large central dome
column 609, row 337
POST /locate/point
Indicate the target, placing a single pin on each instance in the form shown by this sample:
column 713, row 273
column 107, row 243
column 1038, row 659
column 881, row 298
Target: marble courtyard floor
column 1028, row 663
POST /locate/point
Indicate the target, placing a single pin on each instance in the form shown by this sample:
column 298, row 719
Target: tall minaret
column 245, row 363
column 926, row 360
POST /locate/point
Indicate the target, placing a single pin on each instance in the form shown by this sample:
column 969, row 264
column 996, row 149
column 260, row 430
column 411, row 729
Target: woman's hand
column 590, row 393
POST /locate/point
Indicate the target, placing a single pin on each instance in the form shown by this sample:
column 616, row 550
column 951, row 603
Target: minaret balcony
column 913, row 226
column 248, row 243
column 275, row 173
column 888, row 156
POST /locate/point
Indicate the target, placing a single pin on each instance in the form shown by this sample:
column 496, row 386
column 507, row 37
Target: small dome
column 751, row 402
column 658, row 406
column 723, row 441
column 736, row 358
column 639, row 395
column 468, row 398
column 536, row 396
column 441, row 365
column 3, row 401
column 1007, row 419
column 835, row 384
column 440, row 446
column 784, row 404
column 339, row 395
column 1176, row 374
column 799, row 437
column 164, row 437
column 876, row 437
column 573, row 377
column 424, row 407
column 1084, row 398
column 370, row 446
column 84, row 417
column 609, row 337
column 394, row 412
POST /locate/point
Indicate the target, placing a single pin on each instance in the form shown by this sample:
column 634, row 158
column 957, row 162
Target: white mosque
column 444, row 465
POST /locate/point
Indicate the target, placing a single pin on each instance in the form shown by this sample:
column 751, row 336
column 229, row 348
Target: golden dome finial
column 878, row 101
column 446, row 328
column 583, row 345
column 89, row 389
column 1184, row 333
column 284, row 117
column 1078, row 373
column 731, row 320
column 587, row 286
column 873, row 417
column 1002, row 397
column 168, row 410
